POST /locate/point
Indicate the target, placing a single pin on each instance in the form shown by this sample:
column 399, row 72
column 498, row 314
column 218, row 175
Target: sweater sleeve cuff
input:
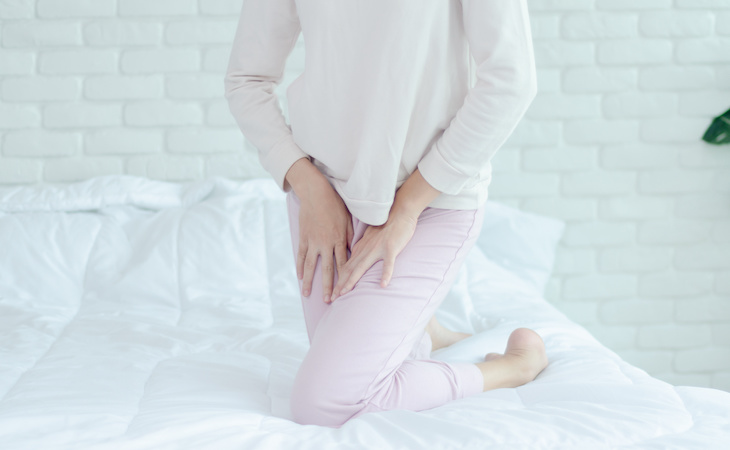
column 440, row 174
column 279, row 160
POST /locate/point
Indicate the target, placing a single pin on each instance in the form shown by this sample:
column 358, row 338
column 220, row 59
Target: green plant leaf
column 719, row 131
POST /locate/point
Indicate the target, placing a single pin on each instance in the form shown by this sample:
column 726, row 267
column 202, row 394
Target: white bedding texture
column 140, row 314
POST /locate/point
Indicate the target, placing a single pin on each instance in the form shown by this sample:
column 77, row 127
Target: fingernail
column 326, row 298
column 306, row 293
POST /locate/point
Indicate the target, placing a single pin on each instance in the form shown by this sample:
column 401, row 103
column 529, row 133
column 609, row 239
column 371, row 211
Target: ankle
column 501, row 373
column 509, row 371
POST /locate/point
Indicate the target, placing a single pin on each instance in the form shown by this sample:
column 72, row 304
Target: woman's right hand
column 325, row 230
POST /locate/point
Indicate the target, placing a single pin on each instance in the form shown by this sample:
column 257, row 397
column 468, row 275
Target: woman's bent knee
column 322, row 404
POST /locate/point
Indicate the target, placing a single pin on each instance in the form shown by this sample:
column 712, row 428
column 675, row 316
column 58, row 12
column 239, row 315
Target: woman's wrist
column 414, row 195
column 302, row 175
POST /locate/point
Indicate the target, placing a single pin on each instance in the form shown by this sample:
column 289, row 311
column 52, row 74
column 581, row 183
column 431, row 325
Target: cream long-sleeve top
column 388, row 86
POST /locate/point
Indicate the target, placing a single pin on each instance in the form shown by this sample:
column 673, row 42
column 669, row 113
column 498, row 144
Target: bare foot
column 523, row 359
column 441, row 336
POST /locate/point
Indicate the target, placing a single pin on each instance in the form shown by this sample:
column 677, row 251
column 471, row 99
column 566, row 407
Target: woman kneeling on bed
column 386, row 166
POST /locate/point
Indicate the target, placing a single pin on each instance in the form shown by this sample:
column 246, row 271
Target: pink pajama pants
column 368, row 349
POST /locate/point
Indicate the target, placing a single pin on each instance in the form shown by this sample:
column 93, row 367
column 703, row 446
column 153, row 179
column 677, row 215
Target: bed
column 141, row 314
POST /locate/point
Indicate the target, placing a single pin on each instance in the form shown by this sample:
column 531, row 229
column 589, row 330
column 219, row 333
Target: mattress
column 141, row 314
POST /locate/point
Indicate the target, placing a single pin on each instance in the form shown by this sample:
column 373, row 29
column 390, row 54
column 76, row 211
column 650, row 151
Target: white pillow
column 522, row 242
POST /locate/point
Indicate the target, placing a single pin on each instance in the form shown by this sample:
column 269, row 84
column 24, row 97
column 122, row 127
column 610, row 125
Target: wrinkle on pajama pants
column 368, row 349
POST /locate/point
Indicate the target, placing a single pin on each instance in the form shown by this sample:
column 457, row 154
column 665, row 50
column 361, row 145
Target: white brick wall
column 645, row 261
column 611, row 144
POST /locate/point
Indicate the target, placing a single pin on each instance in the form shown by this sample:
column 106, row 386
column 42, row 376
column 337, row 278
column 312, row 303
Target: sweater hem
column 376, row 213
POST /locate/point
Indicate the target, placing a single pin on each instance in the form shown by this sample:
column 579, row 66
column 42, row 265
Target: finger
column 340, row 256
column 301, row 256
column 388, row 264
column 343, row 274
column 327, row 275
column 309, row 264
column 356, row 273
column 347, row 269
column 350, row 234
column 341, row 277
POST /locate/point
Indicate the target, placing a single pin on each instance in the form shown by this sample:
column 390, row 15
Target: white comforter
column 142, row 314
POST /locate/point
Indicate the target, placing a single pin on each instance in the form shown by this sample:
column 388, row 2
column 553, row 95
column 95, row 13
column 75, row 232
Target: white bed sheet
column 138, row 314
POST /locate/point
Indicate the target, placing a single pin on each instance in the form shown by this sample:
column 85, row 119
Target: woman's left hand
column 378, row 242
